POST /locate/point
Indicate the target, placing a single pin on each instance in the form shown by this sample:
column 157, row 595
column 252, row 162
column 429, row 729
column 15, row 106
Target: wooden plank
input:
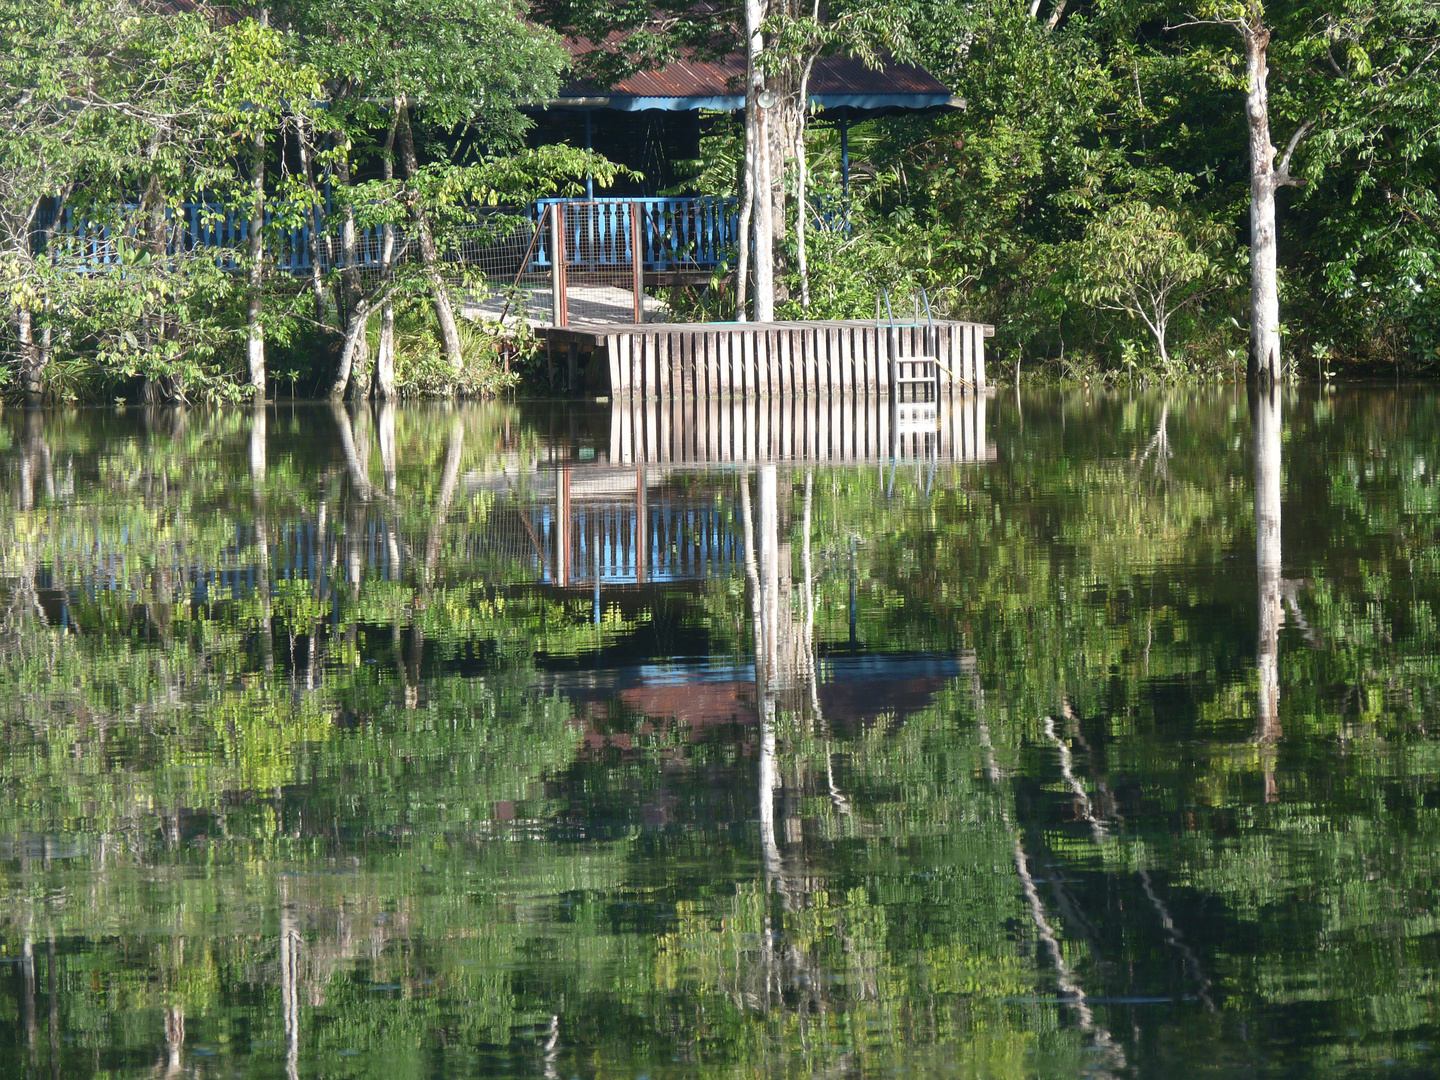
column 666, row 366
column 712, row 430
column 967, row 354
column 748, row 342
column 612, row 357
column 666, row 454
column 690, row 360
column 726, row 362
column 980, row 381
column 811, row 340
column 967, row 421
column 651, row 439
column 627, row 433
column 882, row 363
column 982, row 448
column 651, row 368
column 727, row 408
column 615, row 430
column 708, row 376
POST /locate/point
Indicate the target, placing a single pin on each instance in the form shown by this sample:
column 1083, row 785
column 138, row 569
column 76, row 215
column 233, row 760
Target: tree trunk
column 31, row 373
column 312, row 216
column 385, row 356
column 802, row 179
column 747, row 203
column 254, row 332
column 762, row 224
column 350, row 307
column 353, row 345
column 1264, row 288
column 444, row 310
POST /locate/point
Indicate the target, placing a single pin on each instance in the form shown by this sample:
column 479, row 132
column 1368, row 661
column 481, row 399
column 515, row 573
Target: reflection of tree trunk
column 764, row 697
column 289, row 992
column 386, row 427
column 769, row 552
column 1112, row 1055
column 262, row 533
column 386, row 424
column 27, row 992
column 359, row 470
column 1265, row 413
column 53, row 990
column 174, row 1040
column 448, row 482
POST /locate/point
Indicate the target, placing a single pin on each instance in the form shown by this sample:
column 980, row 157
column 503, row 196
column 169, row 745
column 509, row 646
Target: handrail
column 695, row 232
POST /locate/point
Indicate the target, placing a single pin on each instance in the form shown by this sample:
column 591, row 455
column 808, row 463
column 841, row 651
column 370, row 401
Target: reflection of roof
column 853, row 690
column 690, row 82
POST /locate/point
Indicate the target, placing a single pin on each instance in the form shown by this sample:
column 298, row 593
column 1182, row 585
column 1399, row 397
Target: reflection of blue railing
column 675, row 234
column 681, row 542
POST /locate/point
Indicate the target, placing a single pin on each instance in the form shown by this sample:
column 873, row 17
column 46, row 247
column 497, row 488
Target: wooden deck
column 664, row 361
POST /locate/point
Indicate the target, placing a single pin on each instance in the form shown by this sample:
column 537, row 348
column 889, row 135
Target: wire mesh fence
column 557, row 260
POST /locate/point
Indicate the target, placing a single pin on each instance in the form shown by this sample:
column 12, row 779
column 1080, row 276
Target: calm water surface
column 1094, row 739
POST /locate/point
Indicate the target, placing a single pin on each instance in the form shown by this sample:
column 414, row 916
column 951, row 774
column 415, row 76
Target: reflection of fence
column 635, row 542
column 832, row 428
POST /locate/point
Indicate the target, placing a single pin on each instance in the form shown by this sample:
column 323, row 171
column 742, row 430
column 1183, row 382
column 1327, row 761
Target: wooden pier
column 664, row 361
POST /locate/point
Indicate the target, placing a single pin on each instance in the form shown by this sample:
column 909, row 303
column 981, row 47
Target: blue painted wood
column 675, row 234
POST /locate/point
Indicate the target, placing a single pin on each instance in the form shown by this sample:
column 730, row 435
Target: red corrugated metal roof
column 689, row 77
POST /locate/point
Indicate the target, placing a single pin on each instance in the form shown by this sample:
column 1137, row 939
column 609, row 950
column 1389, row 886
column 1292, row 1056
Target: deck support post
column 557, row 265
column 637, row 263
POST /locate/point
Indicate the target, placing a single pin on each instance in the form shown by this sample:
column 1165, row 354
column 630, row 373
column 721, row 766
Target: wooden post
column 637, row 260
column 557, row 264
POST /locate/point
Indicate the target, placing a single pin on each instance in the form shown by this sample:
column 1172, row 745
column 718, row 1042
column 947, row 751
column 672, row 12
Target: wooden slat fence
column 791, row 359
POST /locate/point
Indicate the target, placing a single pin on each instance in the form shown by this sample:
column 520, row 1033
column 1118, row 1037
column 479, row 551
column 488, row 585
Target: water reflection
column 1265, row 411
column 452, row 742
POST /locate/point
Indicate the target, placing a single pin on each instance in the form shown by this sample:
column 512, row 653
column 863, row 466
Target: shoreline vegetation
column 1143, row 192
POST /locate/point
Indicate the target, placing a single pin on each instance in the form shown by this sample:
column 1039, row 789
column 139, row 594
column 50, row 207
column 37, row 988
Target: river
column 1087, row 736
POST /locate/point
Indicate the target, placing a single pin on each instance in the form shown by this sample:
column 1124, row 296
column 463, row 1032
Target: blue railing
column 675, row 234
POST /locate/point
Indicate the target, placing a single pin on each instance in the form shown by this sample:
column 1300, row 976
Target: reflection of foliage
column 371, row 760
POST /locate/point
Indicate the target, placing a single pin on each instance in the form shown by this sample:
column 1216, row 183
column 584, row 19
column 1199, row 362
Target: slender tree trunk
column 802, row 179
column 35, row 365
column 312, row 216
column 353, row 343
column 747, row 205
column 1264, row 286
column 758, row 165
column 385, row 357
column 254, row 331
column 32, row 374
column 350, row 304
column 444, row 310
